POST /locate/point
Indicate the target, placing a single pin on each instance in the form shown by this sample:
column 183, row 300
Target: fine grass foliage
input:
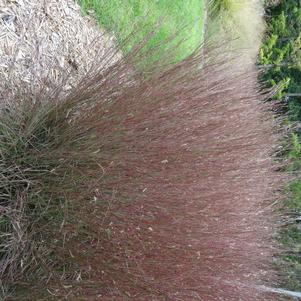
column 108, row 187
column 47, row 167
column 116, row 181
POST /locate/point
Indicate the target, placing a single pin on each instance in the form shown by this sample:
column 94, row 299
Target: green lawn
column 123, row 17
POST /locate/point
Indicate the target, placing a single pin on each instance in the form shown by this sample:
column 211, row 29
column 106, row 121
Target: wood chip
column 42, row 40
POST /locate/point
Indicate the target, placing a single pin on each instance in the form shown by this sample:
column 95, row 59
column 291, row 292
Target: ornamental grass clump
column 195, row 166
column 132, row 178
column 140, row 183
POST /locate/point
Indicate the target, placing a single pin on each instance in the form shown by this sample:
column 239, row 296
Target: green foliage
column 294, row 109
column 291, row 261
column 141, row 17
column 290, row 236
column 296, row 148
column 280, row 56
column 280, row 53
column 294, row 192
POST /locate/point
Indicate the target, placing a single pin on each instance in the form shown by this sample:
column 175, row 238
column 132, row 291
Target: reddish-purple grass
column 180, row 181
column 189, row 149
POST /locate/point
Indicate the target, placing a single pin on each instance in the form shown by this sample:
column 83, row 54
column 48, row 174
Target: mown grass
column 141, row 17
